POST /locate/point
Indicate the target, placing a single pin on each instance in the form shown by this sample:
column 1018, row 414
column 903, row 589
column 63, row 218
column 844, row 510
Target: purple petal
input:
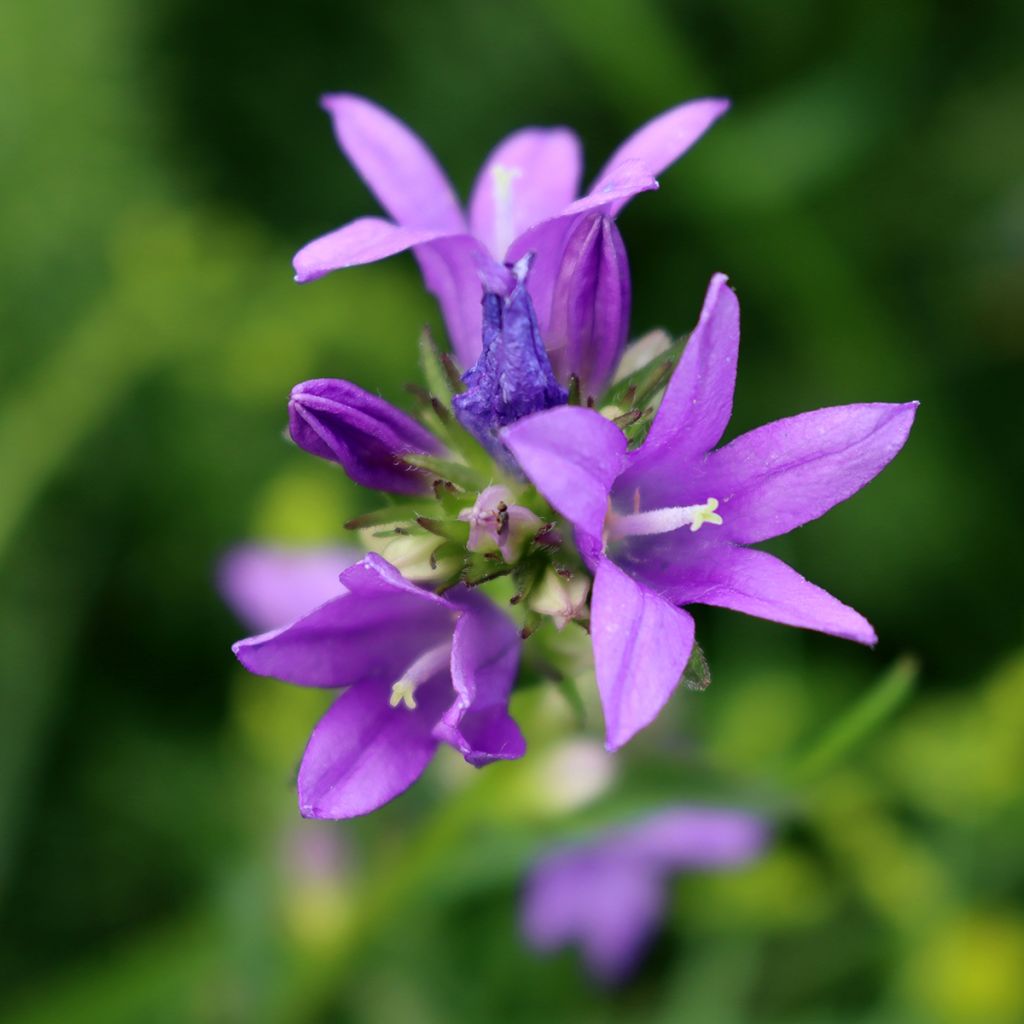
column 456, row 270
column 662, row 141
column 528, row 177
column 757, row 583
column 694, row 838
column 367, row 436
column 610, row 906
column 365, row 240
column 697, row 405
column 590, row 309
column 269, row 586
column 395, row 164
column 787, row 473
column 572, row 455
column 641, row 647
column 369, row 634
column 485, row 658
column 364, row 752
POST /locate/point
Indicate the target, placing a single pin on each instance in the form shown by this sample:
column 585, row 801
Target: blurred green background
column 161, row 162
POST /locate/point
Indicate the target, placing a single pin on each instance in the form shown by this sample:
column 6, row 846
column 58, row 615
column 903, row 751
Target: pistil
column 423, row 668
column 662, row 520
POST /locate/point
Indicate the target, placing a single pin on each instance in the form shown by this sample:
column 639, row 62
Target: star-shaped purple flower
column 668, row 524
column 524, row 200
column 418, row 669
column 608, row 895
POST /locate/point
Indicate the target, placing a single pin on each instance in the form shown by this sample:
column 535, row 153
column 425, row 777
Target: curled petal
column 528, row 177
column 367, row 436
column 663, row 140
column 641, row 647
column 590, row 308
column 395, row 164
column 485, row 658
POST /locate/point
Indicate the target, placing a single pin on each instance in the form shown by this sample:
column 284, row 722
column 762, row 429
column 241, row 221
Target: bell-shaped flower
column 669, row 523
column 497, row 523
column 524, row 200
column 361, row 432
column 513, row 377
column 589, row 322
column 608, row 895
column 417, row 669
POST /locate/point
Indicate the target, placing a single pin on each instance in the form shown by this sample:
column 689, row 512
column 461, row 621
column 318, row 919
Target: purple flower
column 609, row 895
column 630, row 509
column 367, row 436
column 418, row 669
column 524, row 200
column 268, row 586
column 512, row 378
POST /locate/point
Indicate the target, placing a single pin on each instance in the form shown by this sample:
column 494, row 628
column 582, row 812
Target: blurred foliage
column 161, row 162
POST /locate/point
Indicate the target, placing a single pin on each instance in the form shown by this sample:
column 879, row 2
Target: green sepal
column 697, row 674
column 450, row 529
column 400, row 513
column 455, row 472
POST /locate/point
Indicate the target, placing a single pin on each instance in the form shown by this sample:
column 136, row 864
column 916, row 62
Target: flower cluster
column 583, row 473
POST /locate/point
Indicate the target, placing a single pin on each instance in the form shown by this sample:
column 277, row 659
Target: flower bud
column 564, row 599
column 590, row 305
column 362, row 433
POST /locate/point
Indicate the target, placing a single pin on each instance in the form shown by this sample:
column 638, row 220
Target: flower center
column 662, row 520
column 423, row 668
column 502, row 179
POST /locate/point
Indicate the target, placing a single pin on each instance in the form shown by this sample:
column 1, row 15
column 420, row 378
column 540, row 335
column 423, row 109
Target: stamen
column 662, row 520
column 423, row 668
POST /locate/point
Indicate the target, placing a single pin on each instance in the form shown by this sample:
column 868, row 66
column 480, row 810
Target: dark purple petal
column 789, row 472
column 611, row 907
column 512, row 378
column 370, row 634
column 395, row 164
column 590, row 307
column 572, row 456
column 365, row 240
column 457, row 270
column 756, row 583
column 270, row 586
column 641, row 647
column 663, row 140
column 529, row 176
column 336, row 420
column 485, row 658
column 364, row 752
column 697, row 405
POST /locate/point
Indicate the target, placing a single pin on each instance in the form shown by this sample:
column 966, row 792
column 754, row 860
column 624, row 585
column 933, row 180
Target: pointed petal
column 456, row 270
column 364, row 752
column 395, row 164
column 338, row 421
column 641, row 647
column 269, row 586
column 370, row 634
column 757, row 583
column 485, row 658
column 365, row 240
column 529, row 176
column 694, row 838
column 663, row 140
column 572, row 455
column 787, row 473
column 697, row 405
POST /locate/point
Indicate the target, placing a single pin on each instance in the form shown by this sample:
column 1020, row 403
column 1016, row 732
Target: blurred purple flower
column 629, row 509
column 524, row 200
column 513, row 377
column 364, row 434
column 609, row 894
column 418, row 669
column 269, row 586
